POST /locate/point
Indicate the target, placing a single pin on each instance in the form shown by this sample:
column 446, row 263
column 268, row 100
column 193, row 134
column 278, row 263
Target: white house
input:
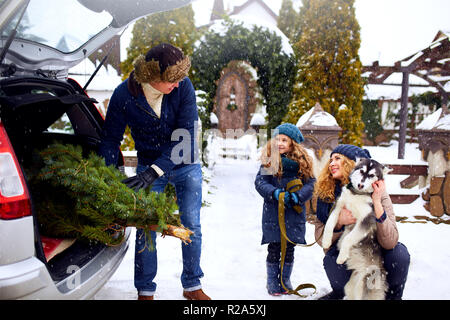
column 101, row 86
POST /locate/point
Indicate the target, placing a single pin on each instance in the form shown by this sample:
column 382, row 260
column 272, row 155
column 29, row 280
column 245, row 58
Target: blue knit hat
column 350, row 151
column 291, row 131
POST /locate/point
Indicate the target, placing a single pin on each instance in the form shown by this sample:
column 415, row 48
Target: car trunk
column 36, row 112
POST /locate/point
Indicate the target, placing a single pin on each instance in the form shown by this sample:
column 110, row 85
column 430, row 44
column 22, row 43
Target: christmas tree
column 80, row 197
column 329, row 68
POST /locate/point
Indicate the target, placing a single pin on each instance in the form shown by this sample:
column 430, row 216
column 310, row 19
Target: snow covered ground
column 233, row 260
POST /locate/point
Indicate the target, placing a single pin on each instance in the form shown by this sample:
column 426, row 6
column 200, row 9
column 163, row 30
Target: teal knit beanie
column 291, row 131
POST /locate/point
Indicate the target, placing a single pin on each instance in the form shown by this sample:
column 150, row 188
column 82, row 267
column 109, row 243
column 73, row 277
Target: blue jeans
column 396, row 263
column 188, row 186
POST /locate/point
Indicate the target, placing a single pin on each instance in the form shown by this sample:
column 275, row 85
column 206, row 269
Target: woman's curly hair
column 271, row 160
column 325, row 184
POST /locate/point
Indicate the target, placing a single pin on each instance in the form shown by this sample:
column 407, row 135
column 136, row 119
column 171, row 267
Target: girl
column 327, row 189
column 283, row 159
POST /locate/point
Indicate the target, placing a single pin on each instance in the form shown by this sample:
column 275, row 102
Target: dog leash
column 292, row 186
column 436, row 220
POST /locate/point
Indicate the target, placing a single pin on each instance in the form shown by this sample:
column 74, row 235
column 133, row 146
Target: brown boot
column 145, row 297
column 195, row 295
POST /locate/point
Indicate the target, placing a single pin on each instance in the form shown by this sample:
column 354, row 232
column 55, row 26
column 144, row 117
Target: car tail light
column 14, row 197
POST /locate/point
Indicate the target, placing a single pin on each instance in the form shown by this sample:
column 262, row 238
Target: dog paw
column 341, row 258
column 326, row 242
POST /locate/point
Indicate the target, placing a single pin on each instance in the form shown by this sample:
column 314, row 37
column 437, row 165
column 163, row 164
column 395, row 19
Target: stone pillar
column 321, row 132
column 434, row 142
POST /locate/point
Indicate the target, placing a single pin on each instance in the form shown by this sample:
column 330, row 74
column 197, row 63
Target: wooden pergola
column 432, row 64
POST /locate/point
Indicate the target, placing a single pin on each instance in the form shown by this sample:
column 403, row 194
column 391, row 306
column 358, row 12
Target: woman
column 327, row 189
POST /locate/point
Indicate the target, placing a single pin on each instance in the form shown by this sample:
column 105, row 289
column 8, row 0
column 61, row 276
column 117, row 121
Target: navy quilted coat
column 152, row 135
column 295, row 222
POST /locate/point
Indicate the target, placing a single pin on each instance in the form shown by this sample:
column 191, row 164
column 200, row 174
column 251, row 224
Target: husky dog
column 358, row 245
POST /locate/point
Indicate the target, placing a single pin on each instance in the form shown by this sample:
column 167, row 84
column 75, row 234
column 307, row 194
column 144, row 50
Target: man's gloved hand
column 141, row 180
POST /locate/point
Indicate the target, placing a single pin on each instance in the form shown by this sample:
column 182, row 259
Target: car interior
column 36, row 113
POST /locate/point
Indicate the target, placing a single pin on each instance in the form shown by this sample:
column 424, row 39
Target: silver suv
column 40, row 41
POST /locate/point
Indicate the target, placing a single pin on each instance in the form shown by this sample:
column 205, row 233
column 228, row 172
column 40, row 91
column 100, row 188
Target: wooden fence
column 414, row 172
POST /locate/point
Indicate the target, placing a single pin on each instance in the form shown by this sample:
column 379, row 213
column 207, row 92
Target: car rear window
column 64, row 25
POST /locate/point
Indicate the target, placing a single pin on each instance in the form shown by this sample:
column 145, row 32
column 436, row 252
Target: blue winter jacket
column 153, row 135
column 295, row 222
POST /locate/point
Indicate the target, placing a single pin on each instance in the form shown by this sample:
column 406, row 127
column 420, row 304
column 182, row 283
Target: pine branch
column 83, row 196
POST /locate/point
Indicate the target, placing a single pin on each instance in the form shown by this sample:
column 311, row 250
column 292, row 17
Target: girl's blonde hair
column 325, row 184
column 271, row 159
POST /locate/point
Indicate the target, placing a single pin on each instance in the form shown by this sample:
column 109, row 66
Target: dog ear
column 358, row 159
column 386, row 170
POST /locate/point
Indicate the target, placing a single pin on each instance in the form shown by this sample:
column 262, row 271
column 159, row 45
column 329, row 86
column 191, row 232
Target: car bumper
column 30, row 279
column 23, row 278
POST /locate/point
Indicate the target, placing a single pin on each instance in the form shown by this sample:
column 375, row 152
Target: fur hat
column 350, row 151
column 162, row 63
column 291, row 131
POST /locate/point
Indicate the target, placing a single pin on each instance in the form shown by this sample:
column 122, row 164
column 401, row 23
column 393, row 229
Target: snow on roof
column 441, row 34
column 106, row 78
column 256, row 8
column 304, row 118
column 397, row 78
column 391, row 92
column 213, row 118
column 249, row 21
column 429, row 122
column 435, row 121
column 443, row 123
column 318, row 118
column 257, row 120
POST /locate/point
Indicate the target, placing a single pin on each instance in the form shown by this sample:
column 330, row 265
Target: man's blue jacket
column 152, row 135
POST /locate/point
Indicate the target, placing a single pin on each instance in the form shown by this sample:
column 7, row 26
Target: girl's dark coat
column 295, row 222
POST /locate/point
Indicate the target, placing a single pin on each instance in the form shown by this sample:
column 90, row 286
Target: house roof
column 106, row 79
column 431, row 64
column 240, row 8
column 218, row 10
column 441, row 34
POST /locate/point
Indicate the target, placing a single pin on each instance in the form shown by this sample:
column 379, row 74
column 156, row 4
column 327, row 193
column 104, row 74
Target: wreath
column 262, row 49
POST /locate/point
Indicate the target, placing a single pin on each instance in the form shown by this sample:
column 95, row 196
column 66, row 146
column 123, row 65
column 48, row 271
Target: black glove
column 141, row 180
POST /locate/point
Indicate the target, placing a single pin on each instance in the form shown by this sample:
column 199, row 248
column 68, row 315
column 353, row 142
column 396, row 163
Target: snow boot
column 286, row 277
column 273, row 279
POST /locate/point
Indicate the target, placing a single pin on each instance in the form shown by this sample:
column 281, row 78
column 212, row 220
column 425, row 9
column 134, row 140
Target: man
column 157, row 100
